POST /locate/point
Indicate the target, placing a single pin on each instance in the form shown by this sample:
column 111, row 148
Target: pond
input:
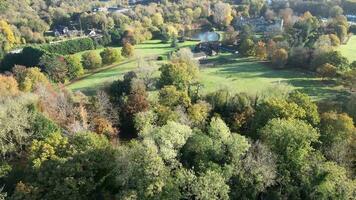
column 203, row 36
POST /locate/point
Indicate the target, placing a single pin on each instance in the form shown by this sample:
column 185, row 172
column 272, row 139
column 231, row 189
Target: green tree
column 29, row 78
column 58, row 161
column 276, row 108
column 199, row 113
column 157, row 19
column 127, row 50
column 75, row 66
column 280, row 58
column 169, row 96
column 333, row 182
column 169, row 139
column 91, row 60
column 179, row 74
column 140, row 172
column 211, row 185
column 337, row 133
column 55, row 66
column 110, row 55
column 247, row 47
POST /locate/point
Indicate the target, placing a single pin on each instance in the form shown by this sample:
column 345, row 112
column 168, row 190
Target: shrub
column 127, row 50
column 91, row 60
column 110, row 55
column 280, row 58
column 69, row 46
column 327, row 70
column 29, row 57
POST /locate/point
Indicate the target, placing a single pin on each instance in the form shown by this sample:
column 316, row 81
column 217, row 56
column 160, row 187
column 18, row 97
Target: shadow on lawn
column 247, row 68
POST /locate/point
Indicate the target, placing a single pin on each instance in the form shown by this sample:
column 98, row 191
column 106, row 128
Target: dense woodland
column 159, row 137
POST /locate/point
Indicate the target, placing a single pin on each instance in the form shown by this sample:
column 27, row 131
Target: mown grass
column 253, row 77
column 225, row 71
column 150, row 48
column 349, row 50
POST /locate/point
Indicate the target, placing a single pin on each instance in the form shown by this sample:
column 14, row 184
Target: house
column 261, row 24
column 209, row 48
column 65, row 31
column 200, row 56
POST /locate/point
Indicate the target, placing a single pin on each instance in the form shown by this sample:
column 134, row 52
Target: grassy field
column 225, row 71
column 349, row 50
column 147, row 49
column 249, row 76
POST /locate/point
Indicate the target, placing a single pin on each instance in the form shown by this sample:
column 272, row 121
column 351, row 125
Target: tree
column 307, row 104
column 276, row 108
column 247, row 47
column 179, row 74
column 222, row 14
column 29, row 78
column 169, row 139
column 169, row 32
column 336, row 11
column 56, row 162
column 299, row 57
column 335, row 41
column 211, row 185
column 349, row 79
column 140, row 172
column 7, row 36
column 254, row 174
column 333, row 182
column 337, row 133
column 261, row 50
column 169, row 96
column 326, row 71
column 157, row 19
column 185, row 55
column 91, row 60
column 55, row 67
column 110, row 55
column 334, row 58
column 15, row 126
column 8, row 86
column 279, row 58
column 341, row 32
column 127, row 50
column 292, row 141
column 199, row 113
column 75, row 66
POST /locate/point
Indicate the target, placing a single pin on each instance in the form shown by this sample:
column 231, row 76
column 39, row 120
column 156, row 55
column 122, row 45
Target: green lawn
column 349, row 50
column 150, row 48
column 249, row 76
column 228, row 71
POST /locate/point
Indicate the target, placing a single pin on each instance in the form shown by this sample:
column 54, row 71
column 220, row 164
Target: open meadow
column 349, row 50
column 225, row 71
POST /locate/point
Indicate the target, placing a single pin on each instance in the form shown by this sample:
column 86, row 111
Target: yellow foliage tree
column 28, row 78
column 7, row 35
column 8, row 86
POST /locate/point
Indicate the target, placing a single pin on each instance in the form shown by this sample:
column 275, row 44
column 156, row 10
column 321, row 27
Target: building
column 261, row 25
column 200, row 56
